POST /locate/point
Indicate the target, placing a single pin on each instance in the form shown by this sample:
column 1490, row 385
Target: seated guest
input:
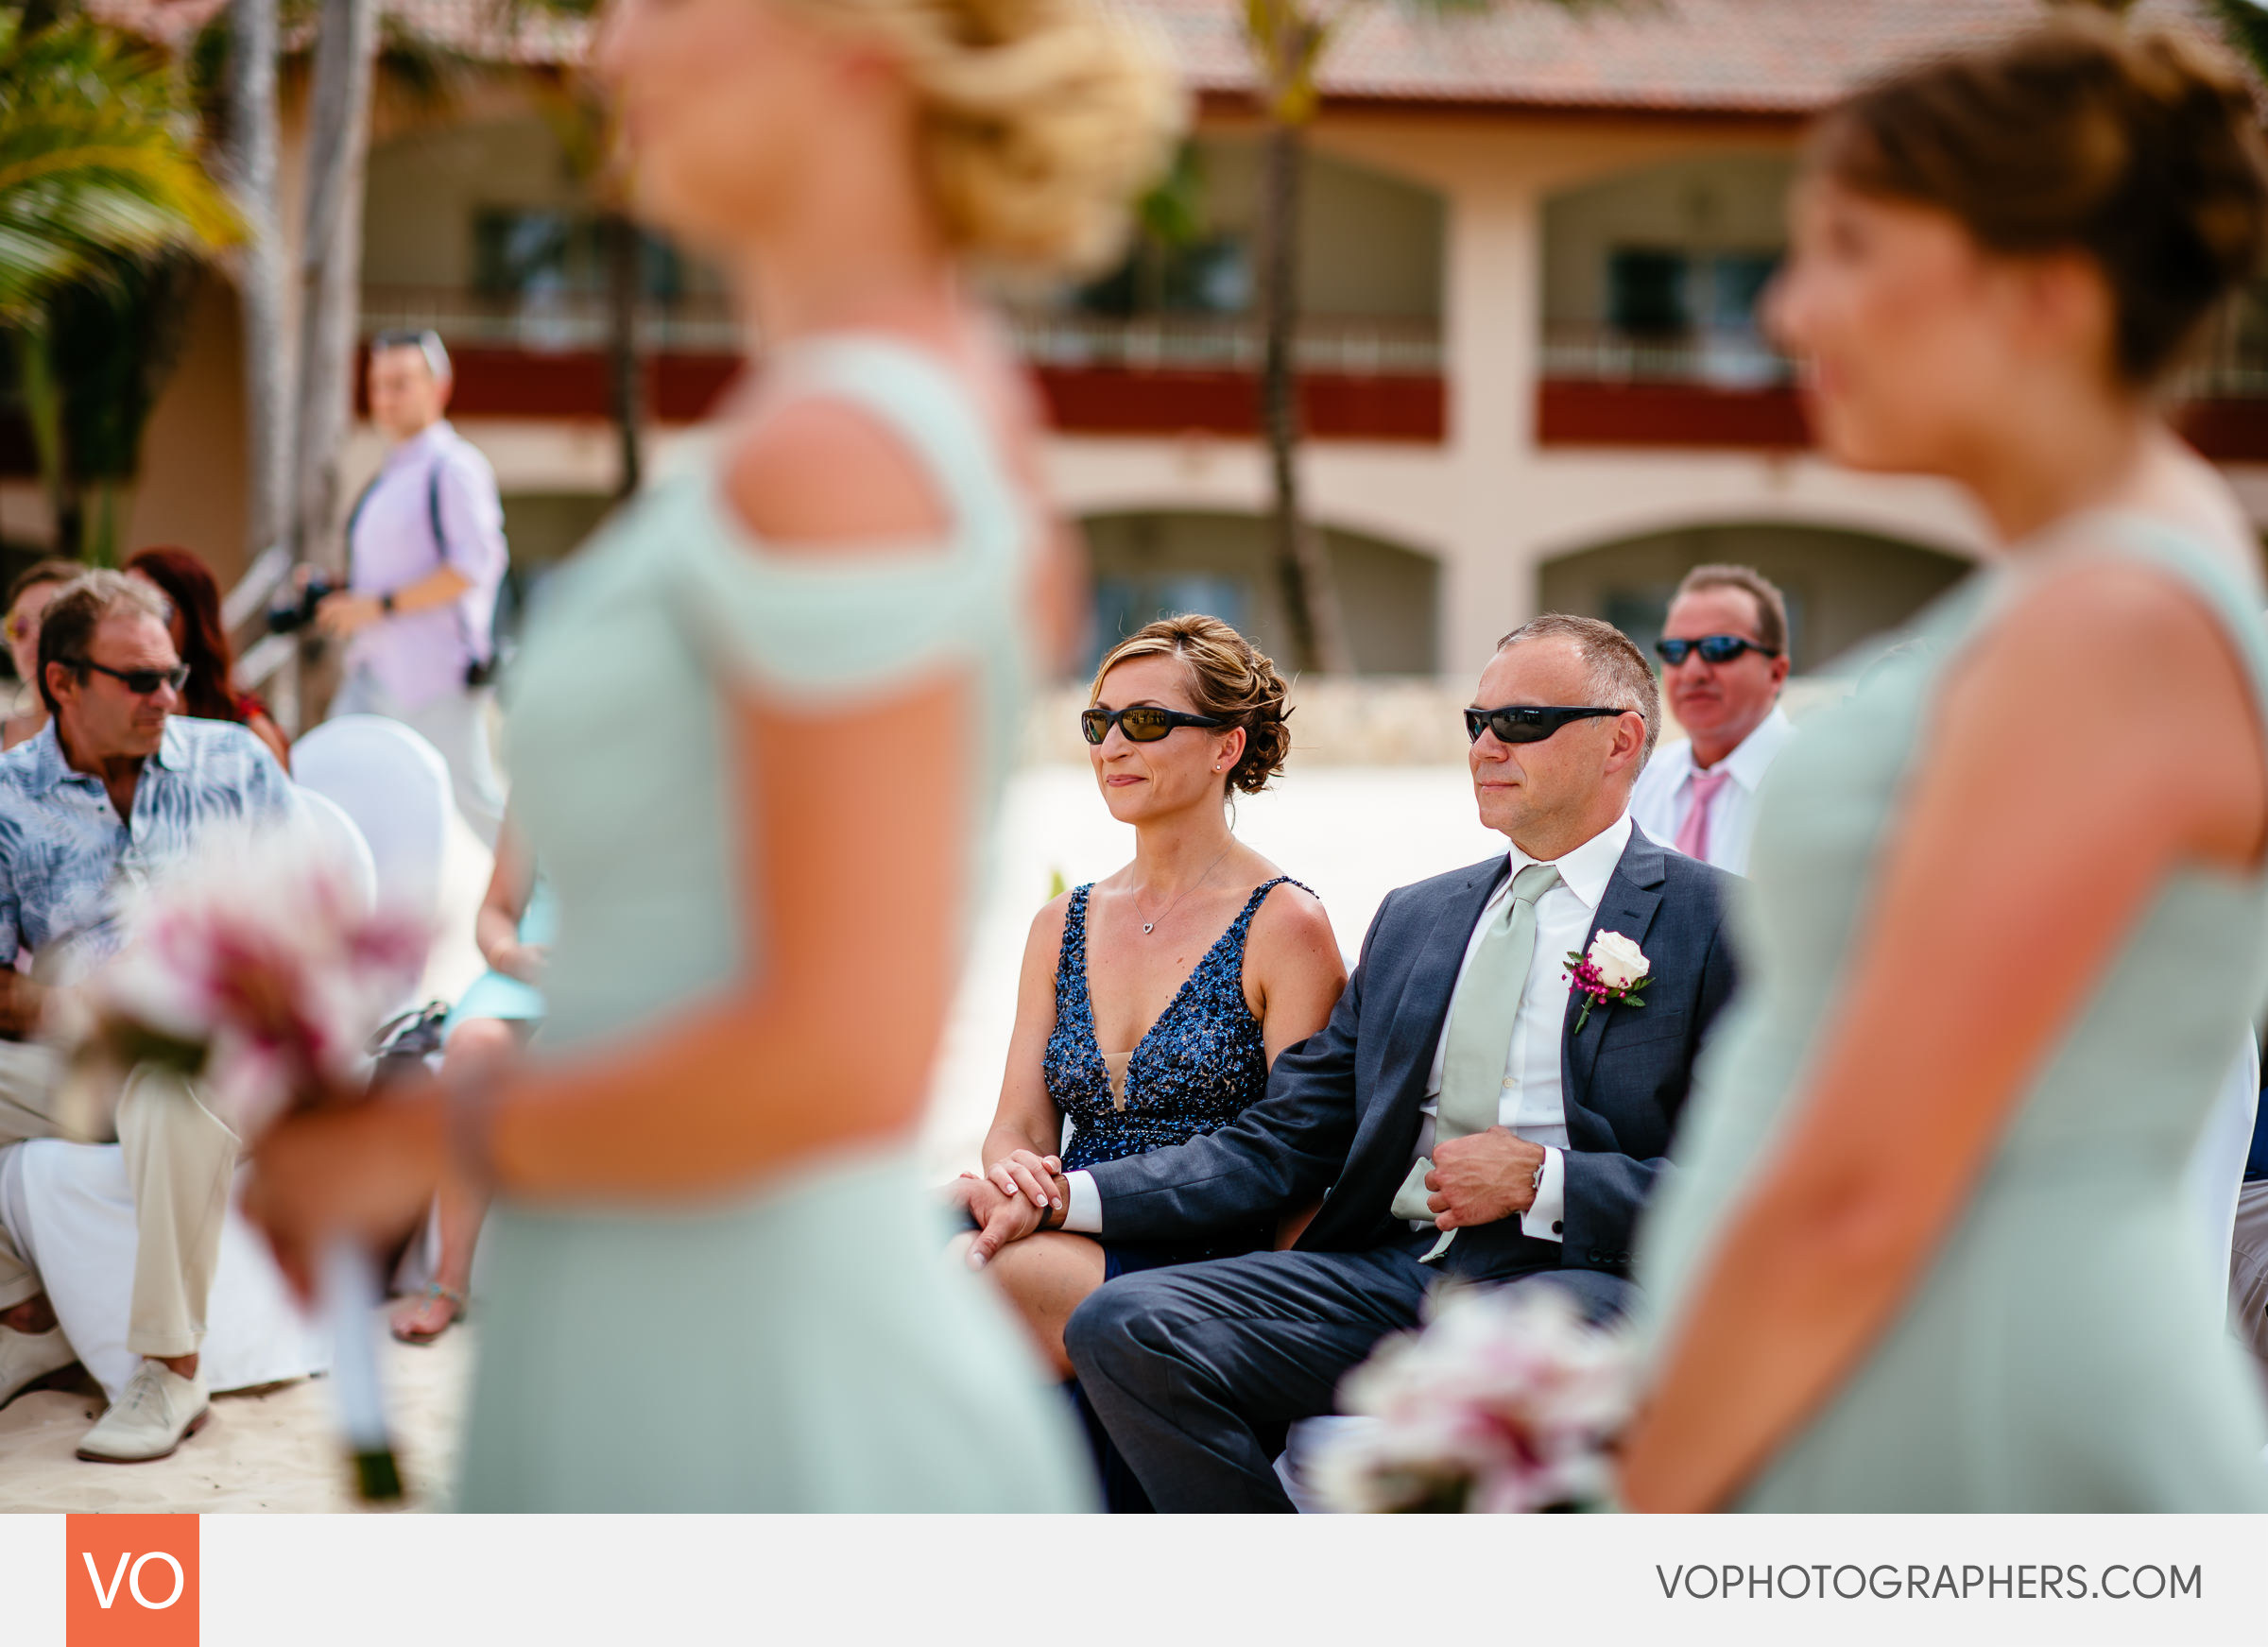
column 1152, row 1001
column 1723, row 659
column 27, row 597
column 118, row 785
column 1469, row 1112
column 202, row 641
column 493, row 1021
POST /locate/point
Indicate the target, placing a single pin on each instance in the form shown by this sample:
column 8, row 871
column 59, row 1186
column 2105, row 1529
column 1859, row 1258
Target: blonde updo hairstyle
column 1042, row 120
column 1229, row 679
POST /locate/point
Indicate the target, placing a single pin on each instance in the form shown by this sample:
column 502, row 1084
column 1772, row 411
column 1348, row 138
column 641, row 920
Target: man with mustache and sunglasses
column 116, row 786
column 1469, row 1112
column 1724, row 651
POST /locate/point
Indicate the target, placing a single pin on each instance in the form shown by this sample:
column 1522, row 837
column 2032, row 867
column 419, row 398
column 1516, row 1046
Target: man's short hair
column 428, row 343
column 1771, row 606
column 67, row 626
column 1619, row 675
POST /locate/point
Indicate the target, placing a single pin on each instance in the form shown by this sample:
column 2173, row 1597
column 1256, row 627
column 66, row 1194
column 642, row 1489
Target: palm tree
column 330, row 272
column 1288, row 39
column 101, row 193
column 251, row 159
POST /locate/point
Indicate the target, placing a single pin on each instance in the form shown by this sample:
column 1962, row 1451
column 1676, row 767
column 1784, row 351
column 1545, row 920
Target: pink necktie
column 1692, row 835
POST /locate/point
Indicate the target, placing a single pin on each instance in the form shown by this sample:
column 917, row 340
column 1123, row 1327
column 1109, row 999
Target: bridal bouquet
column 258, row 969
column 1505, row 1402
column 254, row 967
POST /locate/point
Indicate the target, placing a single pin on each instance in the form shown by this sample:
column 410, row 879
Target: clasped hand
column 1009, row 1202
column 1482, row 1178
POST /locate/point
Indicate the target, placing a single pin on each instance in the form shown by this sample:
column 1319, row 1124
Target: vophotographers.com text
column 1914, row 1581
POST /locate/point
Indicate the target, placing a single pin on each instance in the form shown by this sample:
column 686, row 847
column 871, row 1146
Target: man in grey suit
column 1462, row 1114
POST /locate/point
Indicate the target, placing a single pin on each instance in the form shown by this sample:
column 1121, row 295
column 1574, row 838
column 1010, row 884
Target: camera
column 292, row 615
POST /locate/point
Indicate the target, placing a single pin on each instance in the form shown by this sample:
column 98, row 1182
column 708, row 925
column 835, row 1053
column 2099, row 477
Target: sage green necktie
column 1481, row 1017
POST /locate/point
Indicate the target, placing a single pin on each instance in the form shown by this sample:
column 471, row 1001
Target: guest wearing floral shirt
column 116, row 787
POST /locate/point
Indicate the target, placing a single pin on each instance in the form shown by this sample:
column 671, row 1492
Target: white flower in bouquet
column 1507, row 1400
column 256, row 965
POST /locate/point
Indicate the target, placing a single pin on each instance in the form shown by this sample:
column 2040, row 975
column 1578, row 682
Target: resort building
column 1531, row 254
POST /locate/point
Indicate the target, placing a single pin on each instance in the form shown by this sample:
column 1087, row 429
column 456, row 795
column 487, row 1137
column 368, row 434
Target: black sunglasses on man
column 140, row 682
column 1713, row 649
column 1523, row 723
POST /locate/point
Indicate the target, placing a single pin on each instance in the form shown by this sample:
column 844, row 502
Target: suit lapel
column 1633, row 894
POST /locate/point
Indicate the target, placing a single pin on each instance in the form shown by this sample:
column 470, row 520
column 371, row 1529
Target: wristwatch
column 385, row 603
column 1536, row 1183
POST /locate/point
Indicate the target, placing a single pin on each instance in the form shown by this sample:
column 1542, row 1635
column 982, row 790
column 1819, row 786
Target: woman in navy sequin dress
column 1153, row 1001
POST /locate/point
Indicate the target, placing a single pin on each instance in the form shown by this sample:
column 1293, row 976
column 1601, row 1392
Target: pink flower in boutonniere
column 1614, row 970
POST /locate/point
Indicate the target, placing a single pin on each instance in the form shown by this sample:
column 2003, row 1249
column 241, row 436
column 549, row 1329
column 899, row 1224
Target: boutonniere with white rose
column 1614, row 970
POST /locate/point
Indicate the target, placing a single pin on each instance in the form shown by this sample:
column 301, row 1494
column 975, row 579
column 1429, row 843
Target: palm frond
column 2246, row 24
column 98, row 157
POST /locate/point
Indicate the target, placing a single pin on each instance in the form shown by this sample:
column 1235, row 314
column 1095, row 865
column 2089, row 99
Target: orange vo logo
column 132, row 1581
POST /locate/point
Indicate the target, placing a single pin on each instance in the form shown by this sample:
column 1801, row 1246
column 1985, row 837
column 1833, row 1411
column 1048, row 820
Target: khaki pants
column 180, row 1161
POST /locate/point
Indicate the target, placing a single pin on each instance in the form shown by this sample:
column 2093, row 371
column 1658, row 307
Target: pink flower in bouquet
column 257, row 963
column 1505, row 1402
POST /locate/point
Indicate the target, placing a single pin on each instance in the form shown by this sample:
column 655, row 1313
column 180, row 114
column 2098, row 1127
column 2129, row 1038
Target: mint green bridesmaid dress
column 2064, row 1348
column 806, row 1344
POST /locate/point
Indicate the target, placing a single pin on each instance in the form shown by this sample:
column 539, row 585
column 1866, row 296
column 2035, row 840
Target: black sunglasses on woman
column 1143, row 724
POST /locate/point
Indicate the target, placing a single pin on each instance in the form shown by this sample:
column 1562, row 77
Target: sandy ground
column 1351, row 833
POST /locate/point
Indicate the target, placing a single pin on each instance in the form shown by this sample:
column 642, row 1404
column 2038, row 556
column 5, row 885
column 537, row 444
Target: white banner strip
column 433, row 1581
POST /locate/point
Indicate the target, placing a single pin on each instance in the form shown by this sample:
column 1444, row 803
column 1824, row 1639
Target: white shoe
column 155, row 1412
column 26, row 1357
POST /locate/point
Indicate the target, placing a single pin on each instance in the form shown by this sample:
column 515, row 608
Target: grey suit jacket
column 1341, row 1111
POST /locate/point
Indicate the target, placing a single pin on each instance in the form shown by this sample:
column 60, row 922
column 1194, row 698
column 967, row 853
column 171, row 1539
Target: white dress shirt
column 1664, row 795
column 1532, row 1105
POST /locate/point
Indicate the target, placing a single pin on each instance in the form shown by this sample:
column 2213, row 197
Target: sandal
column 457, row 1313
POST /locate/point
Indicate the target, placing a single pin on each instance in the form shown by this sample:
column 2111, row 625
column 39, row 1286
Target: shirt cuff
column 1083, row 1209
column 1545, row 1217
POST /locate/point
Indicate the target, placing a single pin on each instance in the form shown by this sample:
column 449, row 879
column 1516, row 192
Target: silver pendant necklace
column 1148, row 925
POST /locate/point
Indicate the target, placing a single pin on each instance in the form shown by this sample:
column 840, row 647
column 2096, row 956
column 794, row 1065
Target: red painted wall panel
column 1569, row 413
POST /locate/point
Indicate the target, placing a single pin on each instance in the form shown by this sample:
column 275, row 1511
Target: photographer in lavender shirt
column 426, row 556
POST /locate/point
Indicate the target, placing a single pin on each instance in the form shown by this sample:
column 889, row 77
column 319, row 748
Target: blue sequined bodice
column 1195, row 1069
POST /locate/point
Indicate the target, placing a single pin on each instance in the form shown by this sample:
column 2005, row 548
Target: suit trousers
column 456, row 723
column 2249, row 1274
column 1187, row 1367
column 181, row 1160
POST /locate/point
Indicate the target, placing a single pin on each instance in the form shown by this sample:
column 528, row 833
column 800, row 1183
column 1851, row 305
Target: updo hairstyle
column 1042, row 120
column 1229, row 679
column 2140, row 147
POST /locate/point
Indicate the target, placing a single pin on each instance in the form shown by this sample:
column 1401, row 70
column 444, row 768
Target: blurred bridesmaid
column 759, row 736
column 1929, row 1246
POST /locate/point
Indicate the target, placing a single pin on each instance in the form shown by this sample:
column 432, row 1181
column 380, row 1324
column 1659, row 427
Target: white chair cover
column 341, row 835
column 71, row 1212
column 395, row 786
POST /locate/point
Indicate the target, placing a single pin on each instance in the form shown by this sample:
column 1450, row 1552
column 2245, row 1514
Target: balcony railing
column 701, row 323
column 1588, row 353
column 550, row 322
column 1330, row 345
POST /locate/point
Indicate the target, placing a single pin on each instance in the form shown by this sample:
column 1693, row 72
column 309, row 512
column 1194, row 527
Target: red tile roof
column 1706, row 56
